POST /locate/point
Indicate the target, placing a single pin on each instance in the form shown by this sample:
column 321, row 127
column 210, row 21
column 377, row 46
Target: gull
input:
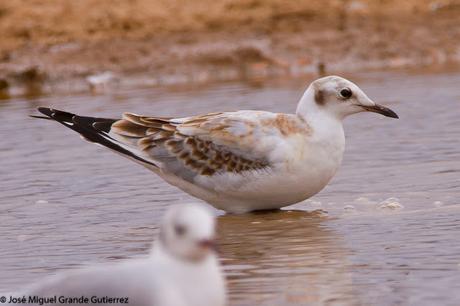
column 182, row 270
column 239, row 161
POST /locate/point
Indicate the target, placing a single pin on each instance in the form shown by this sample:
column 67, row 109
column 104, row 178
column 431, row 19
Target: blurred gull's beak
column 377, row 108
column 208, row 244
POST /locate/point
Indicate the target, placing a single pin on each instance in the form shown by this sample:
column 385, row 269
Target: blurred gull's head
column 188, row 232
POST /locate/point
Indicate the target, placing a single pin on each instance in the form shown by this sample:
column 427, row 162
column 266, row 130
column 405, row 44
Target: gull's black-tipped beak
column 208, row 244
column 377, row 108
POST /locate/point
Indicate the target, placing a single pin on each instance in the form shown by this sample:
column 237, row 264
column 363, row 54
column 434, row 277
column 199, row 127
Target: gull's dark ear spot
column 319, row 97
column 180, row 230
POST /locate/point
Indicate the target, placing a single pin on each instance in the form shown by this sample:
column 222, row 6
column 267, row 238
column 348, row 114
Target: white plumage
column 239, row 161
column 182, row 269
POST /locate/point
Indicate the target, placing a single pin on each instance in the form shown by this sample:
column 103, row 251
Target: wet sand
column 58, row 44
column 66, row 203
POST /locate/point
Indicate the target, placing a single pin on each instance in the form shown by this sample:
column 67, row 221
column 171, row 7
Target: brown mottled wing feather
column 188, row 147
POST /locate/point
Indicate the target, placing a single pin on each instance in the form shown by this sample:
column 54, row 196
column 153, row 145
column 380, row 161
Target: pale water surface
column 65, row 203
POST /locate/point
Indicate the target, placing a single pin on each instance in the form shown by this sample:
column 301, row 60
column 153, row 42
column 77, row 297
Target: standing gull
column 244, row 160
column 182, row 270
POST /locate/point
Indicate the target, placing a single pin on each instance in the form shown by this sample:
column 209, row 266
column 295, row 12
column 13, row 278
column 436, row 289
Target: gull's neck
column 324, row 123
column 160, row 252
column 196, row 283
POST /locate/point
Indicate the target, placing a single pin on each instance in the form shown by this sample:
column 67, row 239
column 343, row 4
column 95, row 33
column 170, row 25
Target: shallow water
column 65, row 203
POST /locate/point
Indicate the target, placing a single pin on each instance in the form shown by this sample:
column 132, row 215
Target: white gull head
column 339, row 98
column 188, row 232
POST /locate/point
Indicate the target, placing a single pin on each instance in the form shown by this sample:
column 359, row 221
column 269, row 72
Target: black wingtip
column 55, row 114
column 45, row 110
column 90, row 128
column 40, row 117
column 48, row 112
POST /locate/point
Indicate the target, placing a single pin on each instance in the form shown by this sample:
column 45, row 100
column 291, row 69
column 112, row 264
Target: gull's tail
column 93, row 129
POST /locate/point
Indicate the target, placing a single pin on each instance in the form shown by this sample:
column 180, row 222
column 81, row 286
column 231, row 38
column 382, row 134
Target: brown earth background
column 56, row 41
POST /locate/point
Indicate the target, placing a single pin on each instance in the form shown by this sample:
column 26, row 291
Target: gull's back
column 158, row 280
column 132, row 279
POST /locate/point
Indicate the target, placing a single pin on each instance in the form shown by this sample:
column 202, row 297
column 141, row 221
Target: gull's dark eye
column 180, row 230
column 346, row 93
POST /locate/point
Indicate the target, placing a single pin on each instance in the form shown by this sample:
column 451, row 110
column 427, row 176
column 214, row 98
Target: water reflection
column 284, row 257
column 67, row 203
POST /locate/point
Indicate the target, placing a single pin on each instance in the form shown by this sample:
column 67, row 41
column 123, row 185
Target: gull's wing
column 216, row 143
column 192, row 147
column 94, row 130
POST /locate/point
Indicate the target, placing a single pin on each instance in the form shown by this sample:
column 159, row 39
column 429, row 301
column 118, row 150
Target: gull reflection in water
column 284, row 258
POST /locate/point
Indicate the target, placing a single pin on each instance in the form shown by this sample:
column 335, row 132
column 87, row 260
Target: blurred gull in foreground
column 182, row 269
column 244, row 160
